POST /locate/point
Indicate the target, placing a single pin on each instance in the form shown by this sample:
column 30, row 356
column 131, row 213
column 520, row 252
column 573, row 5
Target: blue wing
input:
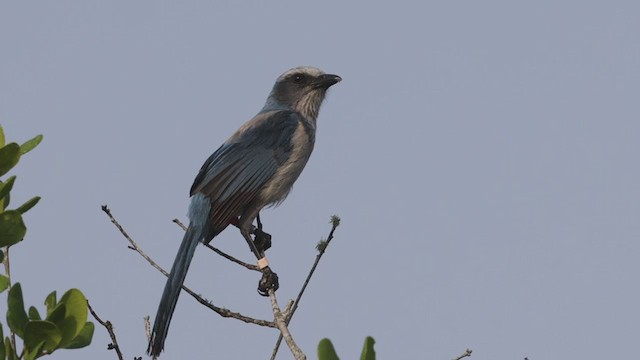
column 235, row 174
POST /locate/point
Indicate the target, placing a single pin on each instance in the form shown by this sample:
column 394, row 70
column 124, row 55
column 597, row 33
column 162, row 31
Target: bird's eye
column 298, row 78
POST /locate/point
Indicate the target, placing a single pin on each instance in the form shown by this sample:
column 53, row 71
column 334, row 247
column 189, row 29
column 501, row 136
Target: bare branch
column 287, row 309
column 183, row 226
column 147, row 327
column 322, row 247
column 466, row 353
column 220, row 311
column 112, row 334
column 284, row 331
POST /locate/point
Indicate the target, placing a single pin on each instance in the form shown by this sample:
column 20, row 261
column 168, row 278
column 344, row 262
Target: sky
column 483, row 157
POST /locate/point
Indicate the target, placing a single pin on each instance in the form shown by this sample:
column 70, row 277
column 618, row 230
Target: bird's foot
column 269, row 281
column 262, row 240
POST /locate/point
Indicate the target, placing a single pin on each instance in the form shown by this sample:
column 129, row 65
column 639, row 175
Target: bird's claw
column 268, row 281
column 262, row 240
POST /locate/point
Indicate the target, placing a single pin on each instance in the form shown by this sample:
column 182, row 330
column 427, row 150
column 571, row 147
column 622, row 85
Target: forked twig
column 281, row 323
column 322, row 246
column 107, row 324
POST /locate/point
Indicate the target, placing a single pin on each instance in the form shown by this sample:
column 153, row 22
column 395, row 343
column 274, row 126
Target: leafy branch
column 65, row 325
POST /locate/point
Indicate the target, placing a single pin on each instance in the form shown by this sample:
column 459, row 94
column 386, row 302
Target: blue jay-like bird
column 254, row 168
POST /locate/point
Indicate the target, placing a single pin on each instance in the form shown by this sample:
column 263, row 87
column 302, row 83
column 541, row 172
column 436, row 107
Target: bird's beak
column 326, row 80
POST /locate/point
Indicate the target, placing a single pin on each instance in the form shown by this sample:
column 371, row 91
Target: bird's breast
column 278, row 187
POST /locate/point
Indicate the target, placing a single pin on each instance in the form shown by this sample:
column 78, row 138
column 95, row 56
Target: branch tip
column 107, row 325
column 466, row 353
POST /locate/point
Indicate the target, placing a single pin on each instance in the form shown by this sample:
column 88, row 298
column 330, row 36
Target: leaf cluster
column 12, row 227
column 65, row 324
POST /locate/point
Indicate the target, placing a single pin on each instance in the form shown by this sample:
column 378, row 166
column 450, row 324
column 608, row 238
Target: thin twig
column 287, row 309
column 220, row 252
column 466, row 353
column 221, row 311
column 322, row 247
column 284, row 331
column 7, row 270
column 112, row 334
column 147, row 327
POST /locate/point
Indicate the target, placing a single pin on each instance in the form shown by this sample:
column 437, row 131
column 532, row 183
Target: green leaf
column 33, row 353
column 28, row 205
column 42, row 331
column 11, row 352
column 84, row 337
column 75, row 315
column 9, row 157
column 4, row 203
column 30, row 144
column 1, row 145
column 326, row 350
column 16, row 316
column 57, row 314
column 34, row 314
column 6, row 187
column 12, row 228
column 50, row 302
column 4, row 284
column 368, row 353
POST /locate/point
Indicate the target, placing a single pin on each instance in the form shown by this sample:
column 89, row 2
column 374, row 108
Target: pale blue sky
column 482, row 155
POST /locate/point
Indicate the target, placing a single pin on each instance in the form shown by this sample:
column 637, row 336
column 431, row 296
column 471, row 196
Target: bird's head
column 301, row 89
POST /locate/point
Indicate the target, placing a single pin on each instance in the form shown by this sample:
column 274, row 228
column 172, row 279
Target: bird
column 253, row 169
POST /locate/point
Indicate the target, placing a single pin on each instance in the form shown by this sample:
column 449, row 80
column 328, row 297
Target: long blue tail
column 173, row 288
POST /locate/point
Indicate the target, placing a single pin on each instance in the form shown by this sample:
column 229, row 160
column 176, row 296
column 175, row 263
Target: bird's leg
column 261, row 238
column 269, row 279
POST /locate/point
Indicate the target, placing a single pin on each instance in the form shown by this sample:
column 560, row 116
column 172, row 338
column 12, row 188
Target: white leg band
column 263, row 263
